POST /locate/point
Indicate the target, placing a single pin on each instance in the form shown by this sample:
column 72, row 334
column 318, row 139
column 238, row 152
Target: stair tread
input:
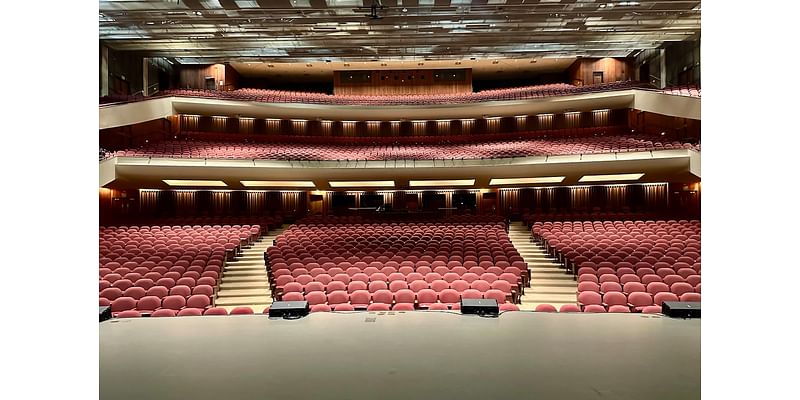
column 244, row 279
column 259, row 285
column 228, row 292
column 245, row 273
column 239, row 301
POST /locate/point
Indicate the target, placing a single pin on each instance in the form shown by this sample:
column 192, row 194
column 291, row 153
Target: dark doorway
column 597, row 77
column 211, row 84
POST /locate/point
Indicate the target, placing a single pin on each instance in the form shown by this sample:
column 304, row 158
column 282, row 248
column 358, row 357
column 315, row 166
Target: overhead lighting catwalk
column 373, row 9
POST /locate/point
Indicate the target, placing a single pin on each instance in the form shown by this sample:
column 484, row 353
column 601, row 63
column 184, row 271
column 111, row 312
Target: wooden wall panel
column 566, row 124
column 135, row 135
column 672, row 127
column 231, row 78
column 402, row 82
column 581, row 72
column 194, row 76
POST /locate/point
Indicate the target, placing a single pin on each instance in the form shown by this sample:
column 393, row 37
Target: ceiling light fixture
column 277, row 183
column 523, row 181
column 441, row 182
column 190, row 182
column 611, row 177
column 344, row 184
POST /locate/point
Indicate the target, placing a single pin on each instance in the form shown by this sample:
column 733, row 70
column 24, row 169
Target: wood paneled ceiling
column 303, row 31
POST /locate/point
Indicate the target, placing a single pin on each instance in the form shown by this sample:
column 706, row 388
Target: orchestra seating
column 281, row 96
column 166, row 267
column 456, row 148
column 410, row 265
column 625, row 266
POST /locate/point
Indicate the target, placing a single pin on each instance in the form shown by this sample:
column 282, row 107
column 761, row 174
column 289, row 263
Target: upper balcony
column 256, row 103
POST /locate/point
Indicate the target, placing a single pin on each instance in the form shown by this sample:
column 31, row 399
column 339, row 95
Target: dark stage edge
column 402, row 355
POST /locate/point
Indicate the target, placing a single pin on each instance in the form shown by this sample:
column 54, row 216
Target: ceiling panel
column 206, row 31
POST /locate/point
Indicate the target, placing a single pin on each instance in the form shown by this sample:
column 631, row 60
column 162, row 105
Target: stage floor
column 401, row 355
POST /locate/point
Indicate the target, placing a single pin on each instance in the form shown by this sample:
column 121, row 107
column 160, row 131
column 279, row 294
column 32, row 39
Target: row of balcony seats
column 332, row 151
column 354, row 260
column 633, row 264
column 690, row 91
column 282, row 96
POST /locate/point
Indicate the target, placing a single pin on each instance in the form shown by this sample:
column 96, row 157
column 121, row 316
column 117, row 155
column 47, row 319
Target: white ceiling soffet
column 207, row 31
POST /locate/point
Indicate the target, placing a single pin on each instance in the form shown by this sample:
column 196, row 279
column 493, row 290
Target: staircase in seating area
column 244, row 281
column 550, row 282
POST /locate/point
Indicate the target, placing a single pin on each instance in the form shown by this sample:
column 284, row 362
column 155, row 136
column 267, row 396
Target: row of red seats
column 306, row 151
column 151, row 304
column 138, row 262
column 631, row 264
column 320, row 252
column 279, row 96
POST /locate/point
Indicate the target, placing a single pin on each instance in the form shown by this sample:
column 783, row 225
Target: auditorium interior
column 453, row 199
column 399, row 199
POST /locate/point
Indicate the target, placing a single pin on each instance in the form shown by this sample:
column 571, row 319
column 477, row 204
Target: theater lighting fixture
column 344, row 184
column 443, row 182
column 189, row 182
column 278, row 183
column 522, row 181
column 612, row 177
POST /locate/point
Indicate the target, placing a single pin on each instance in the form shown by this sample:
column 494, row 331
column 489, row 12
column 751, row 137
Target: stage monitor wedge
column 289, row 309
column 681, row 309
column 480, row 306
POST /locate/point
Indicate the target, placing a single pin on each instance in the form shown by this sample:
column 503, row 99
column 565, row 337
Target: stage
column 401, row 355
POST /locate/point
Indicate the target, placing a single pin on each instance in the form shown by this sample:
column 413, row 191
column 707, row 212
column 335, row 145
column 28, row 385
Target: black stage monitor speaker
column 289, row 309
column 105, row 313
column 479, row 306
column 681, row 309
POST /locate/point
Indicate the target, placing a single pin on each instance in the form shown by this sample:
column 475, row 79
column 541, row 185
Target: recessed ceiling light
column 441, row 182
column 612, row 177
column 522, row 181
column 277, row 183
column 344, row 184
column 189, row 182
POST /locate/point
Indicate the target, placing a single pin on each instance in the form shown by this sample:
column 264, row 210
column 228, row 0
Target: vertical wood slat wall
column 612, row 119
column 613, row 69
column 153, row 203
column 402, row 82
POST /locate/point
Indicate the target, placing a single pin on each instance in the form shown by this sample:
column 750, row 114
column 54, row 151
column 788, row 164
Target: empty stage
column 401, row 355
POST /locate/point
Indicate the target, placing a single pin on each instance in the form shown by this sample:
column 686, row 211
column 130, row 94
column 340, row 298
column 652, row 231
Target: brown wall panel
column 194, row 76
column 402, row 82
column 672, row 127
column 136, row 135
column 581, row 72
